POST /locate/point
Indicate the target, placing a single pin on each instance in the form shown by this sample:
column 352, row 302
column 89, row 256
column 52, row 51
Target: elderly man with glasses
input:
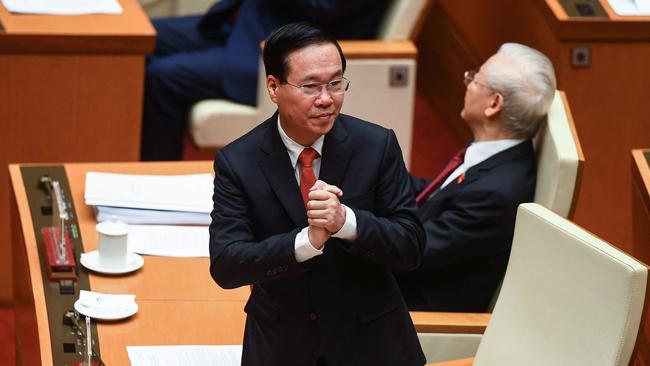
column 313, row 209
column 468, row 210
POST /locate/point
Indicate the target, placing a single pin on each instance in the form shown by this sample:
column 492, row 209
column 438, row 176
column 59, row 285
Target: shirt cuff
column 303, row 248
column 349, row 229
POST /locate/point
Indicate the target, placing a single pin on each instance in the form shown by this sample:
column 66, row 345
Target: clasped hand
column 325, row 213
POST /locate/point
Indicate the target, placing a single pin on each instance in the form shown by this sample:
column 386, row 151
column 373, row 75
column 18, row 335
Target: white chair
column 559, row 160
column 448, row 336
column 382, row 89
column 568, row 298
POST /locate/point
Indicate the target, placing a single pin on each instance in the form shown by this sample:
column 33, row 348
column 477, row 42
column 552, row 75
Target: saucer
column 90, row 260
column 105, row 314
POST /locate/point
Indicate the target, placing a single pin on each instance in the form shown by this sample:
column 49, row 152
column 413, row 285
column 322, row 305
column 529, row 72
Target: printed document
column 185, row 355
column 169, row 241
column 63, row 7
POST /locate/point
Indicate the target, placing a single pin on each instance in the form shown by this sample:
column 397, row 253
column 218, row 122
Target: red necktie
column 307, row 177
column 454, row 163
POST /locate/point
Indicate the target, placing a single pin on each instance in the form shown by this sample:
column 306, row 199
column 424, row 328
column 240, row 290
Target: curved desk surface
column 179, row 303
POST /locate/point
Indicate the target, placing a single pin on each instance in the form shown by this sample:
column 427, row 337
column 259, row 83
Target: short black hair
column 292, row 37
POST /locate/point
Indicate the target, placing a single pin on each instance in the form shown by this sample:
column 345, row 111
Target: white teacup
column 113, row 237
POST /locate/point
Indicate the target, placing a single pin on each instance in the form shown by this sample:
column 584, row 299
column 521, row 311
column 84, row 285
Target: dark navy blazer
column 469, row 228
column 345, row 300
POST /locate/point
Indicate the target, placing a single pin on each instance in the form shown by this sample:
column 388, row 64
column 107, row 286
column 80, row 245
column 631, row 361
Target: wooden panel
column 30, row 311
column 608, row 131
column 63, row 108
column 485, row 25
column 94, row 33
column 444, row 57
column 59, row 108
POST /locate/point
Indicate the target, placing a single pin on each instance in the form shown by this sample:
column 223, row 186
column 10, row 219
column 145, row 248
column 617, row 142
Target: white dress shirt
column 477, row 152
column 304, row 249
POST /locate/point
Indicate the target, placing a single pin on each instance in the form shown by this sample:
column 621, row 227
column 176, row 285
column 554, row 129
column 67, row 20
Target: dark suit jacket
column 469, row 228
column 345, row 19
column 345, row 300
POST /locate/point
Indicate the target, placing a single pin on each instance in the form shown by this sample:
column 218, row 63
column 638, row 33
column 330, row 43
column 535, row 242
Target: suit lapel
column 432, row 206
column 337, row 150
column 280, row 174
column 515, row 152
column 474, row 173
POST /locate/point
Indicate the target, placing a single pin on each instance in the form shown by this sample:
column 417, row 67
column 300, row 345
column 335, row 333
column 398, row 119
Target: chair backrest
column 568, row 298
column 559, row 164
column 559, row 160
column 402, row 19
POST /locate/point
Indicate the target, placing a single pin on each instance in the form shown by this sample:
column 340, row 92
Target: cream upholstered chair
column 382, row 89
column 559, row 160
column 568, row 298
column 559, row 168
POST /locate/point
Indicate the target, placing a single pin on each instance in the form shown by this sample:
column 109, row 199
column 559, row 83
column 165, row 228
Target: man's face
column 303, row 117
column 478, row 96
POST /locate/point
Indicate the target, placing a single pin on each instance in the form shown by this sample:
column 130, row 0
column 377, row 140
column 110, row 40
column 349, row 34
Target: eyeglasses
column 470, row 76
column 335, row 87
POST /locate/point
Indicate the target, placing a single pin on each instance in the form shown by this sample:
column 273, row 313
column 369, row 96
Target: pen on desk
column 89, row 340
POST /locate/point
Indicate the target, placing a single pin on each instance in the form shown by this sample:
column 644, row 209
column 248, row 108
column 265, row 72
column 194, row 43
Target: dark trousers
column 183, row 69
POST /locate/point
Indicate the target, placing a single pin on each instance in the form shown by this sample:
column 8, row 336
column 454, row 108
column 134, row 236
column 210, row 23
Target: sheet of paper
column 63, row 7
column 630, row 7
column 191, row 192
column 169, row 241
column 184, row 355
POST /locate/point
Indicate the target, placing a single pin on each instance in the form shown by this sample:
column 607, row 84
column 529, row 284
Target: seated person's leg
column 172, row 85
column 180, row 34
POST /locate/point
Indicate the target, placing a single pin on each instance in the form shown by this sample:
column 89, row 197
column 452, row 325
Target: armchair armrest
column 379, row 49
column 460, row 362
column 437, row 322
column 449, row 336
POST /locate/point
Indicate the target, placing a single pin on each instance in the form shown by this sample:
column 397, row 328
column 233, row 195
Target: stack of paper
column 63, row 7
column 150, row 199
column 138, row 216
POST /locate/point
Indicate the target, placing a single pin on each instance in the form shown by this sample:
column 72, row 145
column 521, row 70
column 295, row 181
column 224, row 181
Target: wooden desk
column 70, row 90
column 607, row 96
column 179, row 302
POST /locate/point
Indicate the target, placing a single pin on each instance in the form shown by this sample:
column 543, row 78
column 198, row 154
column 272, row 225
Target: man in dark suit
column 314, row 209
column 468, row 211
column 217, row 55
